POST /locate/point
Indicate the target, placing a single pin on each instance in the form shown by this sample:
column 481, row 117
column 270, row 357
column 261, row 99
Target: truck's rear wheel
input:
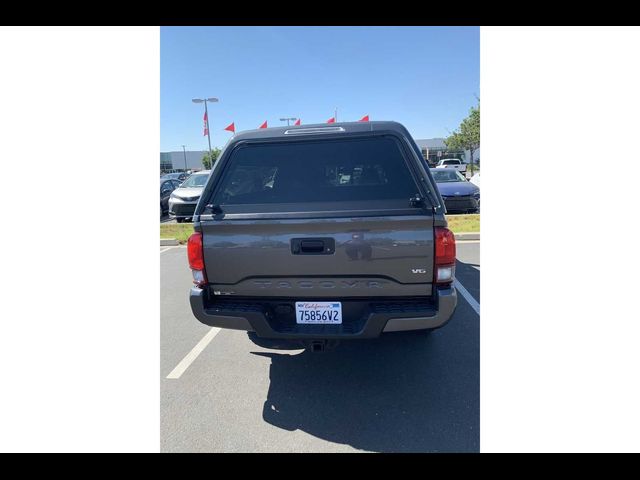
column 179, row 219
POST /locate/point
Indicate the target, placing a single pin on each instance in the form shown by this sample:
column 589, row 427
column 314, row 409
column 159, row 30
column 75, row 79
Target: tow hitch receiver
column 319, row 346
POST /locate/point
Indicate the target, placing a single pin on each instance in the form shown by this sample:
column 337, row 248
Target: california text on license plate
column 319, row 312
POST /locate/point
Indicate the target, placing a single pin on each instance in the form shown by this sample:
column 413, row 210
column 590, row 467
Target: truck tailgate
column 340, row 257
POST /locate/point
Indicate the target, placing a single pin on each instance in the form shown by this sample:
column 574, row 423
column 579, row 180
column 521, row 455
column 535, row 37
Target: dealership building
column 170, row 161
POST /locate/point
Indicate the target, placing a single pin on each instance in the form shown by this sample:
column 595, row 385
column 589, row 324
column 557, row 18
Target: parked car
column 321, row 233
column 475, row 179
column 184, row 199
column 458, row 194
column 452, row 163
column 182, row 176
column 166, row 188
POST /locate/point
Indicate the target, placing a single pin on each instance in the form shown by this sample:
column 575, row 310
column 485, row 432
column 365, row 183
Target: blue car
column 459, row 195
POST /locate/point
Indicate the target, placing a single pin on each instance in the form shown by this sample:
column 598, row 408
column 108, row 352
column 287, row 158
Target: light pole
column 185, row 158
column 206, row 113
column 288, row 119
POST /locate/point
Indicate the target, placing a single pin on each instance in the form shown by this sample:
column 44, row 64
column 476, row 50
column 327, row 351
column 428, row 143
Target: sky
column 426, row 78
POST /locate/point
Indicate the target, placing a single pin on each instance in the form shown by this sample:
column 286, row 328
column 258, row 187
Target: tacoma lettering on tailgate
column 328, row 284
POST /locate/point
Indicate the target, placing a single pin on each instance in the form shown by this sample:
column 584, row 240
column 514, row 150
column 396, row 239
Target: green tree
column 467, row 136
column 209, row 160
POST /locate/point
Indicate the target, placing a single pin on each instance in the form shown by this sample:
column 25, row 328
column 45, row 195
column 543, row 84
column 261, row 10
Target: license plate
column 319, row 312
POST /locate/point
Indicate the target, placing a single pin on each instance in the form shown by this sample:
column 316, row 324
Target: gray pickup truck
column 321, row 233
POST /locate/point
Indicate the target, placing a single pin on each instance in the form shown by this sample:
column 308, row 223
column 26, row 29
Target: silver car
column 184, row 199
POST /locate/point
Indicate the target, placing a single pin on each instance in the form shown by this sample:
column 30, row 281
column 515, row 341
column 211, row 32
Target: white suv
column 454, row 163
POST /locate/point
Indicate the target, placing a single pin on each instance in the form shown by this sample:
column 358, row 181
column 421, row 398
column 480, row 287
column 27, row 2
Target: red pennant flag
column 206, row 128
column 364, row 119
column 332, row 120
column 232, row 127
column 264, row 125
column 297, row 122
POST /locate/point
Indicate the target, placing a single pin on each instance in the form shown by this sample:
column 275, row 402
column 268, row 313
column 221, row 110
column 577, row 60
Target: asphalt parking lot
column 403, row 392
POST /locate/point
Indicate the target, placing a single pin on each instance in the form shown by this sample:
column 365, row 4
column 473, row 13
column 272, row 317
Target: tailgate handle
column 313, row 246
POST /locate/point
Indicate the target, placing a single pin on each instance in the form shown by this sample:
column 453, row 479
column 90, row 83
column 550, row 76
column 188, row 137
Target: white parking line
column 172, row 247
column 467, row 296
column 193, row 354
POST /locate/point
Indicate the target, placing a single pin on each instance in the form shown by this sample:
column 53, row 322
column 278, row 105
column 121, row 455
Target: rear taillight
column 196, row 258
column 445, row 260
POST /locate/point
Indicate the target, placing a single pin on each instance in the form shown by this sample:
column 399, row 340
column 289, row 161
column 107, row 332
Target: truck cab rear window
column 348, row 171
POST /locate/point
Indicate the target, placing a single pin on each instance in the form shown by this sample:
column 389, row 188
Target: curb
column 467, row 236
column 165, row 242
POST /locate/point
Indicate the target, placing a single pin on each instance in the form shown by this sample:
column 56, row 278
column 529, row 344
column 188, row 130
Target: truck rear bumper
column 362, row 319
